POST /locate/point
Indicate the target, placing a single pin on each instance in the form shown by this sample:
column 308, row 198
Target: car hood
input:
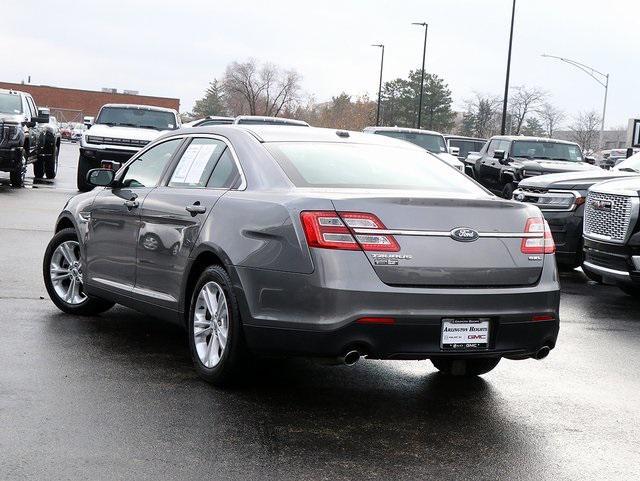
column 553, row 166
column 100, row 130
column 581, row 180
column 11, row 118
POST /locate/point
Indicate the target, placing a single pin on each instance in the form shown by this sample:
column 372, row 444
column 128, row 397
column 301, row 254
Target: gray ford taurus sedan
column 314, row 242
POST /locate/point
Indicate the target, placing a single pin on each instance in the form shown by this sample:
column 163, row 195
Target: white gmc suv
column 118, row 132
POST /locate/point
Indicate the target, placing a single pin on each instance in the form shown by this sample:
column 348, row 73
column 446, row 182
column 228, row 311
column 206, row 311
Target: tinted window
column 140, row 118
column 367, row 166
column 10, row 104
column 147, row 169
column 197, row 163
column 431, row 142
column 546, row 150
column 466, row 146
column 214, row 122
column 225, row 174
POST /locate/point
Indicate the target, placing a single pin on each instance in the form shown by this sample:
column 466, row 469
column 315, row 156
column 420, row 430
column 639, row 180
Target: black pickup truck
column 504, row 161
column 561, row 197
column 26, row 138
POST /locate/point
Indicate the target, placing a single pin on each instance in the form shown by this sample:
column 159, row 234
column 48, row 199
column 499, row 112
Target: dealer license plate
column 460, row 334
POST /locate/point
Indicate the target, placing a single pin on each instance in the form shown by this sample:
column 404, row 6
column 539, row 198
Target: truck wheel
column 507, row 192
column 17, row 177
column 84, row 166
column 51, row 164
column 465, row 367
column 38, row 169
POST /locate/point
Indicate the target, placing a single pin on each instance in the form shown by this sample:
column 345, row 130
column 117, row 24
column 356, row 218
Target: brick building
column 71, row 105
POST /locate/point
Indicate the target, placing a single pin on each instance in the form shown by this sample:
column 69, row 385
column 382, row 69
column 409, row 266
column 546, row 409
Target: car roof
column 141, row 107
column 287, row 133
column 531, row 139
column 400, row 129
column 273, row 120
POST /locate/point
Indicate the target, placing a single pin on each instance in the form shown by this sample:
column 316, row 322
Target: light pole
column 503, row 129
column 424, row 54
column 601, row 78
column 380, row 84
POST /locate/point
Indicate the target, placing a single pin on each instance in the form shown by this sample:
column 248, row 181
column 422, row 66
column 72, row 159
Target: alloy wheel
column 65, row 270
column 211, row 324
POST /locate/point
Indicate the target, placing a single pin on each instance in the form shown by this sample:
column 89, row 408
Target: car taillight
column 537, row 245
column 337, row 230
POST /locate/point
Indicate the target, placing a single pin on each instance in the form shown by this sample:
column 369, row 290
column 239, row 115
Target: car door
column 114, row 218
column 486, row 165
column 34, row 129
column 172, row 215
column 494, row 166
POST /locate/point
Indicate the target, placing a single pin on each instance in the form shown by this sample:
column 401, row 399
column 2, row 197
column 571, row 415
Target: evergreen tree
column 212, row 103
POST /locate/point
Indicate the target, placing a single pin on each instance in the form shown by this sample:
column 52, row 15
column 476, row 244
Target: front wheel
column 465, row 367
column 215, row 331
column 507, row 191
column 63, row 276
column 17, row 177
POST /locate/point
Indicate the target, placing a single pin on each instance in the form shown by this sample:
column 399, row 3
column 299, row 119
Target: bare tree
column 585, row 130
column 482, row 118
column 524, row 101
column 551, row 117
column 259, row 90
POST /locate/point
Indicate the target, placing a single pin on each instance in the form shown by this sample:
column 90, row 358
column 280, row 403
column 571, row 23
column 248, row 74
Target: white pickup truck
column 118, row 132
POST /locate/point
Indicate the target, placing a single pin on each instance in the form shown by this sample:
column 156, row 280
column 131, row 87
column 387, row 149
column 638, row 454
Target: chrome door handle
column 196, row 209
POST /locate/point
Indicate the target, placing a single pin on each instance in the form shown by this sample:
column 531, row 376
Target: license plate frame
column 465, row 333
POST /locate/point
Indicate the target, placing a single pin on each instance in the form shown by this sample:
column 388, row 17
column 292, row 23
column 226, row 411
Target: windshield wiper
column 123, row 124
column 149, row 127
column 628, row 169
column 559, row 158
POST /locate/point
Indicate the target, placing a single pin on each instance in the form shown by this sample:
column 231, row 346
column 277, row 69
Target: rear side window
column 197, row 163
column 367, row 166
column 226, row 174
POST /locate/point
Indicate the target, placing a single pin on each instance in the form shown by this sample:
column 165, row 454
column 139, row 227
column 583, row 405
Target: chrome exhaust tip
column 542, row 353
column 351, row 357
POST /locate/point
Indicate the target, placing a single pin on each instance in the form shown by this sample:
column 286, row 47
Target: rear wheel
column 465, row 367
column 51, row 164
column 215, row 331
column 63, row 276
column 38, row 169
column 17, row 177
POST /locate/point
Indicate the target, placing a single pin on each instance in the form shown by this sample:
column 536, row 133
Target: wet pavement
column 115, row 396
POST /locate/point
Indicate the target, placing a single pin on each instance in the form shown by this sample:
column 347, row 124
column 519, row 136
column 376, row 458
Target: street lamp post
column 424, row 54
column 380, row 84
column 601, row 78
column 503, row 128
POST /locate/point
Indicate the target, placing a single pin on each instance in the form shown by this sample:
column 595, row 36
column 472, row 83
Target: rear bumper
column 315, row 314
column 10, row 159
column 617, row 264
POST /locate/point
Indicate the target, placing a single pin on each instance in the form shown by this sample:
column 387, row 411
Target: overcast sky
column 174, row 49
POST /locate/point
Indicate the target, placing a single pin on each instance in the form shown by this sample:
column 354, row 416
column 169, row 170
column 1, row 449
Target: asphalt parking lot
column 115, row 396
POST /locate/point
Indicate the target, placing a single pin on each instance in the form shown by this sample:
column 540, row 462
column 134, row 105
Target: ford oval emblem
column 464, row 234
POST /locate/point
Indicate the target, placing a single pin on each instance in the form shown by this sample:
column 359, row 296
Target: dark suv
column 561, row 199
column 506, row 160
column 612, row 234
column 25, row 138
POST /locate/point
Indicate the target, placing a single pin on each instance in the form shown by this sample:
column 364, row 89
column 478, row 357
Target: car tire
column 507, row 191
column 17, row 178
column 62, row 272
column 633, row 291
column 51, row 164
column 592, row 275
column 84, row 166
column 465, row 367
column 216, row 341
column 38, row 169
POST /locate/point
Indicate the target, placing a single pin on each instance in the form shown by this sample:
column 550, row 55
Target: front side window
column 147, row 169
column 546, row 150
column 197, row 163
column 466, row 146
column 138, row 118
column 367, row 166
column 10, row 104
column 431, row 142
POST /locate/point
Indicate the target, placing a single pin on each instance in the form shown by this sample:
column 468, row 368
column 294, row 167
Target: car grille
column 115, row 141
column 610, row 224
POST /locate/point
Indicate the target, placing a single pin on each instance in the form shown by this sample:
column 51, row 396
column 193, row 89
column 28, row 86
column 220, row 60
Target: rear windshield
column 466, row 146
column 367, row 166
column 546, row 150
column 139, row 118
column 431, row 142
column 10, row 104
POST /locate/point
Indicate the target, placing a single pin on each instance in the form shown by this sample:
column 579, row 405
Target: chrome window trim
column 434, row 233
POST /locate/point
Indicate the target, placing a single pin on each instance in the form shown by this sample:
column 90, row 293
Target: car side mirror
column 590, row 160
column 88, row 121
column 501, row 155
column 110, row 165
column 43, row 117
column 455, row 151
column 101, row 177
